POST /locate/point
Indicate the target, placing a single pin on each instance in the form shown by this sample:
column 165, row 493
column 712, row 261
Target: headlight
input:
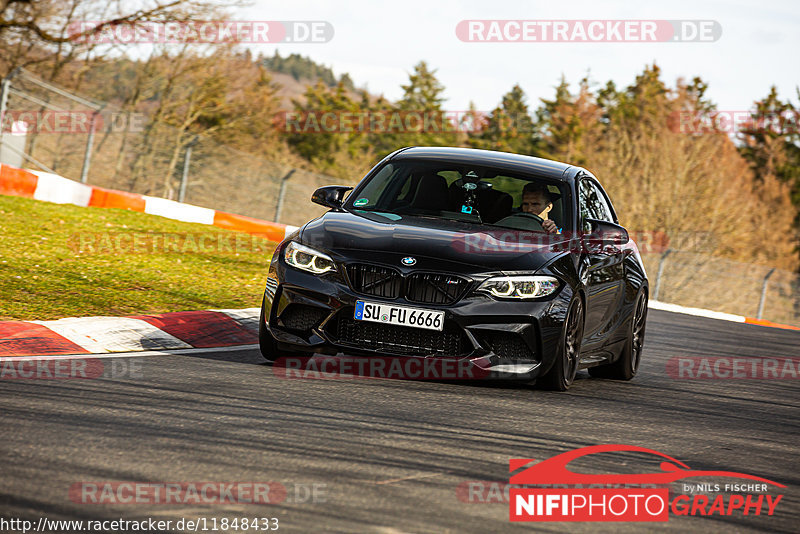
column 520, row 287
column 308, row 259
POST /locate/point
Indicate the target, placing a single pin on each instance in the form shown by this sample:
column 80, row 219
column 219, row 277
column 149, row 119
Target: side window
column 603, row 209
column 593, row 204
column 584, row 203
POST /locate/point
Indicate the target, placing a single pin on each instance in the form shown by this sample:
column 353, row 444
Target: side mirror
column 607, row 233
column 330, row 196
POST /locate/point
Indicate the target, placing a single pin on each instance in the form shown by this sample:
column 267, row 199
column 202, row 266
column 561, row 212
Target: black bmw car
column 512, row 264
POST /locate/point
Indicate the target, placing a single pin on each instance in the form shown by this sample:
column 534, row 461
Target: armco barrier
column 17, row 182
column 108, row 198
column 54, row 188
column 57, row 189
column 242, row 223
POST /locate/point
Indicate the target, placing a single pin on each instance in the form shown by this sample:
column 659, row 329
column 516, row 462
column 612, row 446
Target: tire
column 626, row 367
column 562, row 373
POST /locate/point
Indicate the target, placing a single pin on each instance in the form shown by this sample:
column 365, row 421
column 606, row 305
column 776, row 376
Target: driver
column 536, row 199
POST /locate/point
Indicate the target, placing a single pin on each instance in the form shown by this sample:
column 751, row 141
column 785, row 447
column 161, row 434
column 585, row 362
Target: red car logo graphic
column 554, row 470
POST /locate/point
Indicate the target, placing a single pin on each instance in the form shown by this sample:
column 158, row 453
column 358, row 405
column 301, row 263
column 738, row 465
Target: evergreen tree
column 347, row 82
column 422, row 97
column 569, row 126
column 771, row 143
column 330, row 135
column 509, row 127
column 304, row 68
column 474, row 123
column 423, row 91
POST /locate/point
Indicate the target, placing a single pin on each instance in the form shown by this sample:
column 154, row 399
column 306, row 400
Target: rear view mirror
column 330, row 196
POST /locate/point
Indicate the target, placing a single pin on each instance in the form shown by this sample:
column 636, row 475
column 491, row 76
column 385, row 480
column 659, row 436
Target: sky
column 378, row 43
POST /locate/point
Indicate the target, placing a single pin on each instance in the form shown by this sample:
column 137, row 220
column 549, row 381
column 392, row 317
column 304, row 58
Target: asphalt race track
column 388, row 455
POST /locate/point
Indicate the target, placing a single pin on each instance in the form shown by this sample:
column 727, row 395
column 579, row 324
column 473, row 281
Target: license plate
column 399, row 315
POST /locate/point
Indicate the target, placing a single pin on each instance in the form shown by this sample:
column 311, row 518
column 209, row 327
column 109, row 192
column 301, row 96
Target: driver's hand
column 549, row 226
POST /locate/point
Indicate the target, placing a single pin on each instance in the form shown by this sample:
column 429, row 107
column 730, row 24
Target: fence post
column 660, row 272
column 185, row 175
column 87, row 154
column 763, row 294
column 281, row 194
column 4, row 85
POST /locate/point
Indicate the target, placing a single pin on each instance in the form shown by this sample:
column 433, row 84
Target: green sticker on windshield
column 361, row 202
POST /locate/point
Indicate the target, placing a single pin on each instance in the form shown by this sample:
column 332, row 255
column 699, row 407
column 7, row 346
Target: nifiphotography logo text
column 549, row 491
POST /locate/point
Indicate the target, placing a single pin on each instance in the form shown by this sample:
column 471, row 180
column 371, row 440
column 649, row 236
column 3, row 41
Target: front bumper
column 503, row 339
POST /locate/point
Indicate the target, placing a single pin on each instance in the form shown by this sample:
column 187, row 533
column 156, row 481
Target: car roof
column 501, row 160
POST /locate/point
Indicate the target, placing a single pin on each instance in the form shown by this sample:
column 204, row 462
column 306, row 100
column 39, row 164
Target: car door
column 605, row 265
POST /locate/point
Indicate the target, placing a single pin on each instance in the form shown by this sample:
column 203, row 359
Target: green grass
column 60, row 261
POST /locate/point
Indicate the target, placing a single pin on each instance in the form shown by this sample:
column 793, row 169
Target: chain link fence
column 124, row 153
column 702, row 281
column 48, row 128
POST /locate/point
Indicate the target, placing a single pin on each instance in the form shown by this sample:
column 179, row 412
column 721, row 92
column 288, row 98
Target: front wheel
column 627, row 365
column 562, row 373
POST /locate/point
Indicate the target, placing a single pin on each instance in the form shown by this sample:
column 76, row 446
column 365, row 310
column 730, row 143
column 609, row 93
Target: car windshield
column 466, row 193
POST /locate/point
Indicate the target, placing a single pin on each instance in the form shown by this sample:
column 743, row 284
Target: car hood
column 388, row 237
